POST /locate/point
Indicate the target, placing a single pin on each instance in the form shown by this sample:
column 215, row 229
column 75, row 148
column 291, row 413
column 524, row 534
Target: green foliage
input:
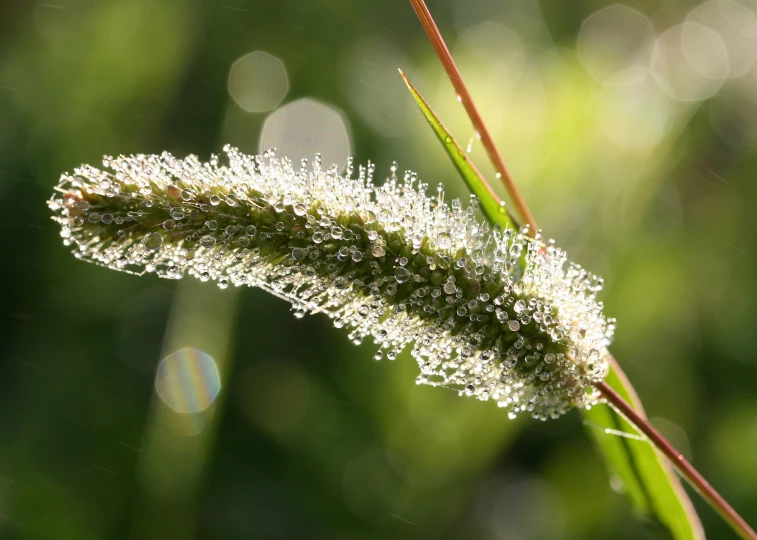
column 491, row 206
column 648, row 480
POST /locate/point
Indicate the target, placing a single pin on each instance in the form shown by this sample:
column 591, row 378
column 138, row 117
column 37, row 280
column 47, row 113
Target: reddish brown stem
column 684, row 468
column 739, row 525
column 470, row 108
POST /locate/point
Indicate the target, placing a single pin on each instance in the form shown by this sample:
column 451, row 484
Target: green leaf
column 492, row 207
column 647, row 478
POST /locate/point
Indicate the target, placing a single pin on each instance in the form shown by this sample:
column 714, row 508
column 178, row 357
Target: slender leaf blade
column 650, row 483
column 649, row 480
column 492, row 207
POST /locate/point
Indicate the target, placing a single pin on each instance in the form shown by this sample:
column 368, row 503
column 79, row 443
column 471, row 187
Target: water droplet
column 177, row 213
column 173, row 191
column 444, row 241
column 401, row 274
column 378, row 251
column 152, row 241
column 251, row 230
column 208, row 241
column 215, row 200
column 520, row 306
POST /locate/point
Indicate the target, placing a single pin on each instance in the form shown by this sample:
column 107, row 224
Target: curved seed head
column 493, row 313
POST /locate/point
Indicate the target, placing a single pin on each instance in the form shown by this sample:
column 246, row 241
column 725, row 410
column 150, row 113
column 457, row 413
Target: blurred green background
column 632, row 132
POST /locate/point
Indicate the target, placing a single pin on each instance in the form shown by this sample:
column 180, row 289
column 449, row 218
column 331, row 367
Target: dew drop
column 444, row 241
column 208, row 241
column 401, row 274
column 173, row 191
column 152, row 241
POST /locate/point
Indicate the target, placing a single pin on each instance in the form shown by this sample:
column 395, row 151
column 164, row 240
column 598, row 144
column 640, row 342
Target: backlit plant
column 491, row 309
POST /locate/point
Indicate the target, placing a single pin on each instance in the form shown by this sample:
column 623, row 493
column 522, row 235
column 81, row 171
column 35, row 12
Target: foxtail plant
column 651, row 486
column 496, row 314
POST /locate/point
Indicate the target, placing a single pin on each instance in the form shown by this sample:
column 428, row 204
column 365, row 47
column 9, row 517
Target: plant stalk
column 470, row 108
column 684, row 468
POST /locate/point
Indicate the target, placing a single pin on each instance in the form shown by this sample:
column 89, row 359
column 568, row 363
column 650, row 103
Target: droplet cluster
column 495, row 314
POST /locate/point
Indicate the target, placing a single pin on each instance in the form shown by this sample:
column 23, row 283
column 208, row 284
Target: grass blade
column 648, row 479
column 492, row 206
column 650, row 483
column 436, row 39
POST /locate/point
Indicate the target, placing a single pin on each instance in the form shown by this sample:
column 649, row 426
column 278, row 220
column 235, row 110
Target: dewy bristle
column 492, row 313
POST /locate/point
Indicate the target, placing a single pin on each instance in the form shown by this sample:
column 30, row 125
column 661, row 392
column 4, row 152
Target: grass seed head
column 494, row 314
